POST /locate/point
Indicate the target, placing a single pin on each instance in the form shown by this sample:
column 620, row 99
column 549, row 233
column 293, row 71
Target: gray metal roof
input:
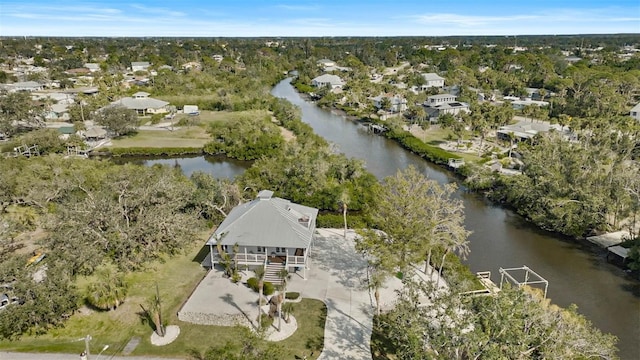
column 140, row 103
column 432, row 76
column 267, row 221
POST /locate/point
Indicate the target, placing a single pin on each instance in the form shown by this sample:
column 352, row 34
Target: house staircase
column 272, row 271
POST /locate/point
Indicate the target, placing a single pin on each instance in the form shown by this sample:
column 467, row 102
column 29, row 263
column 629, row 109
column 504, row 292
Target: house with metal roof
column 143, row 104
column 432, row 80
column 268, row 232
column 332, row 81
column 635, row 112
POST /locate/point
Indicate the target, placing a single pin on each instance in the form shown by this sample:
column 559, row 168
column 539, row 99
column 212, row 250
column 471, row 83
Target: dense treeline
column 92, row 213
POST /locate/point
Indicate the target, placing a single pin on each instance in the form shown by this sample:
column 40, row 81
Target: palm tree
column 259, row 271
column 283, row 274
column 109, row 290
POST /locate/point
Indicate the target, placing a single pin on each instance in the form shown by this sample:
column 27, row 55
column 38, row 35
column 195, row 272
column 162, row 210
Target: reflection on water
column 218, row 166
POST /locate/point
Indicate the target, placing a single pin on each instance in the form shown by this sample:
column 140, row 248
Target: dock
column 376, row 129
column 609, row 239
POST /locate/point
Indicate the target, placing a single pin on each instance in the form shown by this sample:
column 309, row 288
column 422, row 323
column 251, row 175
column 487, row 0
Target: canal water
column 576, row 274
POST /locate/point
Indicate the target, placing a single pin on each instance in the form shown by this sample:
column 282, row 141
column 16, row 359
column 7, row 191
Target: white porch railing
column 250, row 259
column 295, row 260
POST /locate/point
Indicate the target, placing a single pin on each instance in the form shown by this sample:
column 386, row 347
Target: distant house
column 143, row 104
column 398, row 103
column 78, row 71
column 332, row 81
column 572, row 59
column 635, row 112
column 521, row 104
column 93, row 67
column 58, row 112
column 432, row 80
column 526, row 129
column 323, row 63
column 441, row 104
column 268, row 232
column 140, row 66
column 24, row 86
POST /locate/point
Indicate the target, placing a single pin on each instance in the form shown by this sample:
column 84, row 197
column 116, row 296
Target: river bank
column 501, row 238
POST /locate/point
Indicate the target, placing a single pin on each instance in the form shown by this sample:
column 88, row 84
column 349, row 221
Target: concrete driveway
column 338, row 278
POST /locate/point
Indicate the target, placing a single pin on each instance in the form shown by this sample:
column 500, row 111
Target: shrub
column 292, row 295
column 268, row 288
column 163, row 151
column 336, row 221
column 252, row 283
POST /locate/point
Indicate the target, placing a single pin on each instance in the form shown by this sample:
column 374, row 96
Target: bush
column 417, row 146
column 146, row 151
column 252, row 283
column 336, row 221
column 267, row 287
column 292, row 295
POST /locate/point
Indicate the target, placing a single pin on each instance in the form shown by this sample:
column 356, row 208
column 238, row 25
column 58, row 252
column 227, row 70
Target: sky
column 252, row 18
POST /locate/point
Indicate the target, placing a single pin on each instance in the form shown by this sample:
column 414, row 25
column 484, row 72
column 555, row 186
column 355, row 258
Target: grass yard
column 186, row 136
column 176, row 278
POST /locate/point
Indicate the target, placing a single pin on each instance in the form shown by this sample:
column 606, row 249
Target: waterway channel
column 577, row 274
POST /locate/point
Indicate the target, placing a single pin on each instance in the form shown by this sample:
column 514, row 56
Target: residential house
column 635, row 112
column 432, row 80
column 521, row 104
column 324, row 63
column 526, row 129
column 441, row 104
column 93, row 67
column 143, row 104
column 328, row 80
column 24, row 86
column 267, row 232
column 140, row 66
column 58, row 112
column 397, row 103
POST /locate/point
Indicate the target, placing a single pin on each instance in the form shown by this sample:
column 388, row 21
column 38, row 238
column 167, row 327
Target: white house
column 139, row 66
column 635, row 112
column 24, row 86
column 324, row 63
column 332, row 81
column 143, row 104
column 398, row 103
column 432, row 80
column 93, row 67
column 267, row 232
column 440, row 104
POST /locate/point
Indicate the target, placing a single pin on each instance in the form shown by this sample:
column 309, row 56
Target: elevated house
column 267, row 232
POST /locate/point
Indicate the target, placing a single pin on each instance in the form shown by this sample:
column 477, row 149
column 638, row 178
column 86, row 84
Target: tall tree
column 117, row 119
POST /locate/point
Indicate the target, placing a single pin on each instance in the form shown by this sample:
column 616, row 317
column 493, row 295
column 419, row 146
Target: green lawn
column 176, row 278
column 187, row 136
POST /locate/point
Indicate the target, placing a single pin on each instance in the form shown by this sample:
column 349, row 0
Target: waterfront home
column 328, row 80
column 441, row 104
column 396, row 103
column 23, row 86
column 267, row 232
